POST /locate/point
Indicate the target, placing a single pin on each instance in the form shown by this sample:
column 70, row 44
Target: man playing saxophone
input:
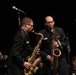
column 47, row 45
column 21, row 49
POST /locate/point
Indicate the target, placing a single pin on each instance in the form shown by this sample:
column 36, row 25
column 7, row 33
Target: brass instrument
column 56, row 52
column 33, row 60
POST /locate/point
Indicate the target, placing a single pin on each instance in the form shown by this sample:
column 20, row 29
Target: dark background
column 64, row 14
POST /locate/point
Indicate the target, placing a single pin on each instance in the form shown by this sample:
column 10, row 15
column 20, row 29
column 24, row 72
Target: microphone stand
column 19, row 20
column 68, row 47
column 19, row 10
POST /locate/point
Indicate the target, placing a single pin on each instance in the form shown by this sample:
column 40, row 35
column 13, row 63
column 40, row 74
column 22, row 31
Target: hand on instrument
column 50, row 58
column 27, row 65
column 38, row 51
column 55, row 44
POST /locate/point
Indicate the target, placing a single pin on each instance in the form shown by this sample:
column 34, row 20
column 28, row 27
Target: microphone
column 13, row 7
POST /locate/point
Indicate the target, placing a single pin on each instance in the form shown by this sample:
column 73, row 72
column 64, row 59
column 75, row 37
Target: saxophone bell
column 56, row 52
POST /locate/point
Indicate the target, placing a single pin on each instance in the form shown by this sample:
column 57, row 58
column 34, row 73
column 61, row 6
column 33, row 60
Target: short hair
column 73, row 58
column 48, row 16
column 26, row 20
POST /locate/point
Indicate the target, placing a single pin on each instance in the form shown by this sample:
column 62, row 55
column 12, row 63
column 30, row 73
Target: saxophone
column 33, row 60
column 56, row 52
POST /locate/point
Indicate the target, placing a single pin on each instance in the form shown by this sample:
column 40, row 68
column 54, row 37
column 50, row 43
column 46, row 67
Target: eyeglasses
column 30, row 25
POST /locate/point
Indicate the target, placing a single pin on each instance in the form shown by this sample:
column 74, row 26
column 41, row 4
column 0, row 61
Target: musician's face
column 29, row 27
column 49, row 22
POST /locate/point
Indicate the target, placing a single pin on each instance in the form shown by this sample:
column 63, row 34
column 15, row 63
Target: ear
column 26, row 25
column 45, row 24
column 54, row 22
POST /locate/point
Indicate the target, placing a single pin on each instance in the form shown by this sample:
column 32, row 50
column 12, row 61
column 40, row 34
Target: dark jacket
column 72, row 71
column 45, row 48
column 20, row 51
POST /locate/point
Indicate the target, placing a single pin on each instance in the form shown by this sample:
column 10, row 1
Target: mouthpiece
column 33, row 31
